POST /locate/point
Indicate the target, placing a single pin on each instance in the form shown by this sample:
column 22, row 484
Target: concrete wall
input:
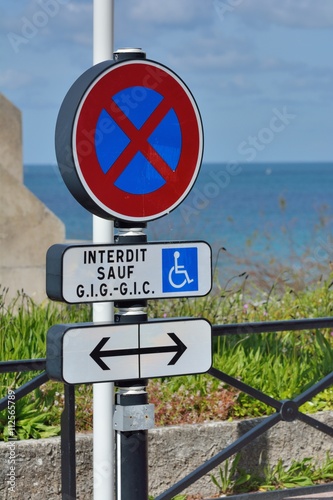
column 27, row 227
column 173, row 453
column 10, row 138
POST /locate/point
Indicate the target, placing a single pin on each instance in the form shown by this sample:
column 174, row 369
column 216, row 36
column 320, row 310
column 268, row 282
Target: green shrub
column 281, row 365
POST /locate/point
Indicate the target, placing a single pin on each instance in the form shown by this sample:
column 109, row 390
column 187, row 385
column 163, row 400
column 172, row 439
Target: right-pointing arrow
column 97, row 354
column 180, row 348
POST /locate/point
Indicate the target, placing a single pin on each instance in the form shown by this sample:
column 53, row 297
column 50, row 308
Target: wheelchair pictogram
column 179, row 269
column 176, row 271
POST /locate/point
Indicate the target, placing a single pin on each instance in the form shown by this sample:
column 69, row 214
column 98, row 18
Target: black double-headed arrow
column 97, row 354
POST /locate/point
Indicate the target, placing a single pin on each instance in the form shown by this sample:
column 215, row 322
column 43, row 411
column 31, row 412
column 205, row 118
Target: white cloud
column 13, row 79
column 317, row 86
column 77, row 17
column 44, row 23
column 228, row 60
column 239, row 84
column 306, row 14
column 230, row 54
column 183, row 13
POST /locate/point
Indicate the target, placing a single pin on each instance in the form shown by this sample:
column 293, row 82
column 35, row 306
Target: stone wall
column 27, row 226
column 173, row 453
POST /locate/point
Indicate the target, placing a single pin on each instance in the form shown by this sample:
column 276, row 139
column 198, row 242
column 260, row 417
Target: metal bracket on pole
column 133, row 417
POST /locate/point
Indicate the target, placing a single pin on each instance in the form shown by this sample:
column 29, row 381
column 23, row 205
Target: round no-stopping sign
column 129, row 140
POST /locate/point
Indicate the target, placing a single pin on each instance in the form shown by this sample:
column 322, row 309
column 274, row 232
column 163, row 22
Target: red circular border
column 113, row 200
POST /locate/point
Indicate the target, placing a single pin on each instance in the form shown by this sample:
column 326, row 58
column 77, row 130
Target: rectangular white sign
column 89, row 353
column 100, row 273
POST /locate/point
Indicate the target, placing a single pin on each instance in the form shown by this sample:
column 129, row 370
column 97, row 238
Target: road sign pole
column 103, row 394
column 133, row 415
column 131, row 398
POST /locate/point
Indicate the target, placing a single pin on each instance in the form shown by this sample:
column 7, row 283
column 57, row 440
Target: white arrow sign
column 100, row 273
column 89, row 353
column 98, row 353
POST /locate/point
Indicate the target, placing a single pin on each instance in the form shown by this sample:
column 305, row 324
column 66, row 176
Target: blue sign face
column 180, row 269
column 137, row 105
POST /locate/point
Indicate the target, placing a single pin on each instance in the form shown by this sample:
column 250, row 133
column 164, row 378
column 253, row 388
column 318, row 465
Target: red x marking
column 139, row 141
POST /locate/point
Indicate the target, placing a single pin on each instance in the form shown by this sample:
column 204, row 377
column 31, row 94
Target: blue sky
column 261, row 71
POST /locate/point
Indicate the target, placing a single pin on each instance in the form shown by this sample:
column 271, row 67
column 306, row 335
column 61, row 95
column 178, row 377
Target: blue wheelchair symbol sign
column 180, row 269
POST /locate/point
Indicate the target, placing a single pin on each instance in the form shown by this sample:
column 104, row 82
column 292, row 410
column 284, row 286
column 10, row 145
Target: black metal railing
column 285, row 410
column 68, row 460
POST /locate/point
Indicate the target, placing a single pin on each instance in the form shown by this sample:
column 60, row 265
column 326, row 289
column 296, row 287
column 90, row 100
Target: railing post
column 68, row 459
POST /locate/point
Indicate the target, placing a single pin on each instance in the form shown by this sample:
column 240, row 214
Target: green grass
column 233, row 479
column 23, row 329
column 281, row 364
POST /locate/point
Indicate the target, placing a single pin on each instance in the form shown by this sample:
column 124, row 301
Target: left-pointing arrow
column 97, row 354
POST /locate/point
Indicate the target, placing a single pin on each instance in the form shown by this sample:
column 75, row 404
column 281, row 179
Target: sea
column 251, row 214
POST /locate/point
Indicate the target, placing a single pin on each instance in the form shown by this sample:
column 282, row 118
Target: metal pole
column 133, row 415
column 132, row 445
column 103, row 404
